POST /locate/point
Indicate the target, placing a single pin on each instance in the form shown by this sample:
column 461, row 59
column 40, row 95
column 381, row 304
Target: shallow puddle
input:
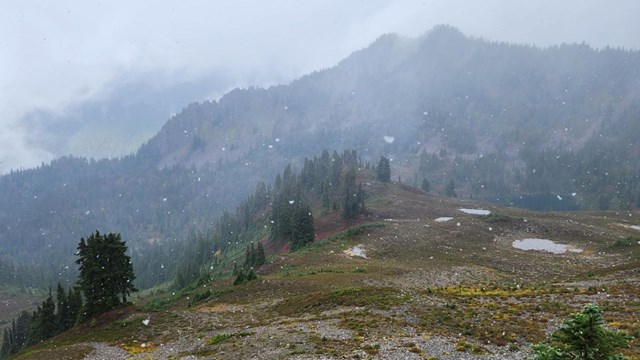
column 544, row 245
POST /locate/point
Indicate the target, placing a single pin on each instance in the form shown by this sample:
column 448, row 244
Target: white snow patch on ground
column 475, row 211
column 544, row 245
column 635, row 227
column 358, row 251
column 443, row 219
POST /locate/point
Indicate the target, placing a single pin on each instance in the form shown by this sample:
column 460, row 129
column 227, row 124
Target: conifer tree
column 383, row 170
column 68, row 306
column 106, row 272
column 43, row 324
column 61, row 308
column 450, row 189
column 353, row 198
column 426, row 185
column 21, row 332
column 303, row 231
column 583, row 336
column 260, row 255
column 47, row 321
column 74, row 305
column 7, row 342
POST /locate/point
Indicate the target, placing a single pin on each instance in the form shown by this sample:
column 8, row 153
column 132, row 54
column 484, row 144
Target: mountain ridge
column 501, row 121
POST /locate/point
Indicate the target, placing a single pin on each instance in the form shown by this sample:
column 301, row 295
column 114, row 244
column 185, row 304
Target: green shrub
column 583, row 336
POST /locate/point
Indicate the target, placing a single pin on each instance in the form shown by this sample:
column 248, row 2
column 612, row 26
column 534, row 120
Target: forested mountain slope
column 513, row 119
column 415, row 275
column 500, row 121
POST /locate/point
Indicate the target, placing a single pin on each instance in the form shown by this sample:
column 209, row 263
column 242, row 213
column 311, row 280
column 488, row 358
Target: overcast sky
column 56, row 54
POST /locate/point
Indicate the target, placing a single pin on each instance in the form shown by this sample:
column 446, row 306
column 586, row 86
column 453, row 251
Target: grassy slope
column 424, row 283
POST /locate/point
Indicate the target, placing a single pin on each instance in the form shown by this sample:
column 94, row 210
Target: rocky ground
column 399, row 284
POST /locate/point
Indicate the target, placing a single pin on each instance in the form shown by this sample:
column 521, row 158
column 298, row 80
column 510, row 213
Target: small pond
column 544, row 245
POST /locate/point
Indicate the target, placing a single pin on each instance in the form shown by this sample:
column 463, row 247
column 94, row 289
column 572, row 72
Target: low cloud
column 58, row 55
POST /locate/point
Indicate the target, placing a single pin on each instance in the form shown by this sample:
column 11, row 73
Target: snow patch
column 389, row 139
column 544, row 245
column 146, row 322
column 443, row 219
column 475, row 211
column 635, row 227
column 358, row 251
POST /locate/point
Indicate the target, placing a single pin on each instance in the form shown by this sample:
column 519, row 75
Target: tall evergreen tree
column 21, row 332
column 61, row 308
column 43, row 324
column 68, row 304
column 353, row 198
column 450, row 189
column 74, row 305
column 303, row 231
column 261, row 258
column 7, row 344
column 383, row 170
column 426, row 185
column 106, row 272
column 48, row 323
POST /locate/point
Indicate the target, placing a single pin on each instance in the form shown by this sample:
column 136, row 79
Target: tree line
column 280, row 213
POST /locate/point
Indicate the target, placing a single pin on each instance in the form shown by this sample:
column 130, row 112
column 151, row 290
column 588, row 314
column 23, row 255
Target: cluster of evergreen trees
column 74, row 196
column 105, row 281
column 291, row 217
column 205, row 251
column 329, row 178
column 602, row 172
column 328, row 182
column 332, row 179
column 49, row 319
column 22, row 276
column 254, row 257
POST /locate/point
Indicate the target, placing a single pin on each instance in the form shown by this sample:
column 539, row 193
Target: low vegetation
column 425, row 288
